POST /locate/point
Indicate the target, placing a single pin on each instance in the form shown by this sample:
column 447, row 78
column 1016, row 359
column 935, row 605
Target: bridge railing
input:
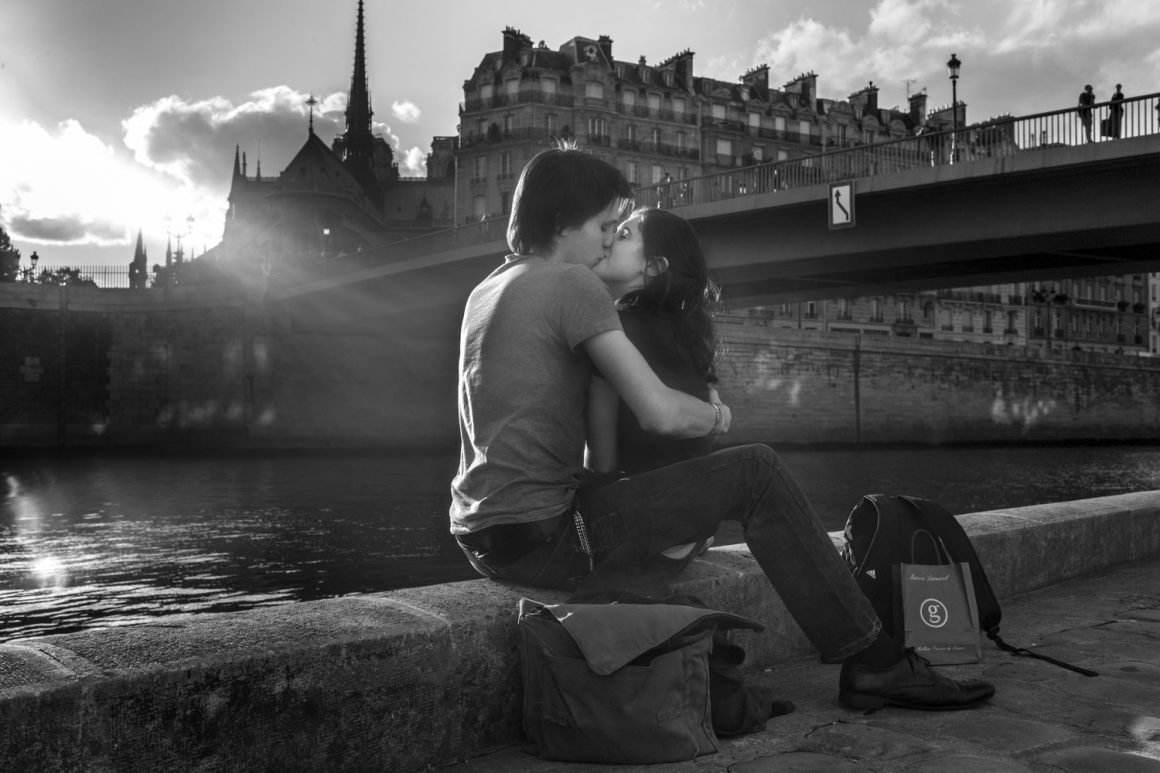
column 1003, row 136
column 78, row 276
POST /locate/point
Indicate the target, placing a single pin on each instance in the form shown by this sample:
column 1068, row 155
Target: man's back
column 522, row 390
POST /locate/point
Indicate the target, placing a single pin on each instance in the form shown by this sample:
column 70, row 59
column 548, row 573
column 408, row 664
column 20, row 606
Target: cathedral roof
column 317, row 169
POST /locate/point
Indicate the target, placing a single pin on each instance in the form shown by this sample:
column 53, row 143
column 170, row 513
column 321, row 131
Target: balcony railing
column 500, row 136
column 656, row 113
column 524, row 96
column 709, row 122
column 657, row 148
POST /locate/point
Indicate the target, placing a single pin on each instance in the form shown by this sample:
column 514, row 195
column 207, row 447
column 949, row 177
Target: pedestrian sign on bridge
column 841, row 204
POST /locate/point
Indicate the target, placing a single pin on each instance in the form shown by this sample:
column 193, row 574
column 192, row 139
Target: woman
column 657, row 271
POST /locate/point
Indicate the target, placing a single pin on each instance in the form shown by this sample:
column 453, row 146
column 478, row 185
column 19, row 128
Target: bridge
column 1009, row 200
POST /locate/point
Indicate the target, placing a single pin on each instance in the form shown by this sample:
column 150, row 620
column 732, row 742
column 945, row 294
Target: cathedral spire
column 358, row 104
column 356, row 143
column 237, row 161
column 139, row 253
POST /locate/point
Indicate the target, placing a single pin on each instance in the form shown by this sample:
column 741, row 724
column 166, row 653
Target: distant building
column 335, row 200
column 1111, row 314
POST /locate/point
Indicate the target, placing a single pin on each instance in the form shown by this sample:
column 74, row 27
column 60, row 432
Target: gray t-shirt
column 523, row 385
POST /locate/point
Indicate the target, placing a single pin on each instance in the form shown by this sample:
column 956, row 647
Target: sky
column 123, row 115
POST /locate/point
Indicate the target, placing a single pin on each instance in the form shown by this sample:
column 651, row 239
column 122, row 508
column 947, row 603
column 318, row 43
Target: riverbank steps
column 429, row 676
column 221, row 367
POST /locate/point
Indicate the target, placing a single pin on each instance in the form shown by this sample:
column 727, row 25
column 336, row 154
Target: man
column 532, row 333
column 1087, row 98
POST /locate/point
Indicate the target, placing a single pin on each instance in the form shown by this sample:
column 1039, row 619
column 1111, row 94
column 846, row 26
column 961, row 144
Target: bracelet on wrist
column 718, row 421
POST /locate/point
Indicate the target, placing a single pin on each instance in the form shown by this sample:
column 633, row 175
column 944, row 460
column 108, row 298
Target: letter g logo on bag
column 933, row 613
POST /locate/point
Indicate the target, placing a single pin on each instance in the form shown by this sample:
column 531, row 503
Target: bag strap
column 993, row 635
column 940, row 550
column 928, row 528
column 885, row 529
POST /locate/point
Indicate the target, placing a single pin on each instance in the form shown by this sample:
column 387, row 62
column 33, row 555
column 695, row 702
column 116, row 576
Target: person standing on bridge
column 533, row 332
column 1087, row 98
column 1117, row 113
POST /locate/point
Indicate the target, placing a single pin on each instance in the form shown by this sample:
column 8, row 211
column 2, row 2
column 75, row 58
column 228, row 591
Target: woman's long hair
column 683, row 291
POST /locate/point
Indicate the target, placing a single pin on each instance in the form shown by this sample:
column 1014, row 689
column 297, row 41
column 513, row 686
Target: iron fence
column 77, row 276
column 123, row 277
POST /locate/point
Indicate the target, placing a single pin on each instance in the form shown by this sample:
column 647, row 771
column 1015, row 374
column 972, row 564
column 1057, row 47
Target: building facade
column 1110, row 314
column 653, row 122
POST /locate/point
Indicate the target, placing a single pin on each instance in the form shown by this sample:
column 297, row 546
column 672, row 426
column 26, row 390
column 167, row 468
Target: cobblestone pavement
column 1042, row 718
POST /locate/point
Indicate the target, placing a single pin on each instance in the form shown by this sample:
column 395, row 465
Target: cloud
column 904, row 40
column 63, row 185
column 807, row 45
column 194, row 142
column 693, row 6
column 413, row 163
column 1052, row 24
column 407, row 112
column 1030, row 52
column 67, row 230
column 900, row 20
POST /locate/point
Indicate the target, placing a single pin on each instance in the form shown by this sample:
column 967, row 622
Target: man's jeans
column 684, row 503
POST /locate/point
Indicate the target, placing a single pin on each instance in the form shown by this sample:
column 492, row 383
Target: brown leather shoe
column 910, row 683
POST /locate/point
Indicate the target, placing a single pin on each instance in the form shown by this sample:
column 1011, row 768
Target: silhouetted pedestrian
column 1117, row 113
column 1087, row 98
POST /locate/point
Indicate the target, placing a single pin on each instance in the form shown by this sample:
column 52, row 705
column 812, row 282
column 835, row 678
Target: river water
column 99, row 541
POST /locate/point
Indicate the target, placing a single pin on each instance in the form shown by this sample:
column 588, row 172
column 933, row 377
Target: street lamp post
column 953, row 65
column 174, row 230
column 29, row 274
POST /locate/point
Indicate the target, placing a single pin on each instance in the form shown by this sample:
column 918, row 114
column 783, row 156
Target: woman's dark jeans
column 684, row 503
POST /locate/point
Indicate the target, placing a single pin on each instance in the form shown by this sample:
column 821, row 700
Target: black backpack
column 884, row 531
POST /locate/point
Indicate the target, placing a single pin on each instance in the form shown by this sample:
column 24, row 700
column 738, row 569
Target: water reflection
column 92, row 542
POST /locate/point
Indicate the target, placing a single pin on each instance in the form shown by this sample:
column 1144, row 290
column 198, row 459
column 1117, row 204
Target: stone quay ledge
column 405, row 680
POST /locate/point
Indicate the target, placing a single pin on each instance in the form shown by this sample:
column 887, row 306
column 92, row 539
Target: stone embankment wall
column 793, row 386
column 416, row 679
column 87, row 367
column 214, row 368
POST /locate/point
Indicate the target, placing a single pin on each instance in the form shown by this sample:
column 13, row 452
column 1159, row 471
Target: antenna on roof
column 908, row 81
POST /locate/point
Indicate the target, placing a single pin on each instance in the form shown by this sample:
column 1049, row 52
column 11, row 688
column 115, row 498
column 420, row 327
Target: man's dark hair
column 561, row 188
